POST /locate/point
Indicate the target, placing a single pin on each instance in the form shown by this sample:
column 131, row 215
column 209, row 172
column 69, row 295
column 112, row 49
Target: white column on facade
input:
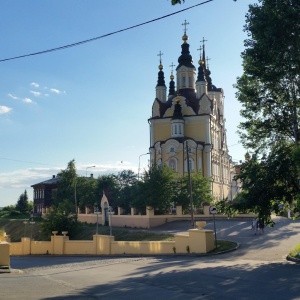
column 208, row 160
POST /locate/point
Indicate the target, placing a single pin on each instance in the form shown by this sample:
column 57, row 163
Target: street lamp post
column 25, row 223
column 97, row 224
column 140, row 163
column 190, row 184
column 31, row 223
column 88, row 168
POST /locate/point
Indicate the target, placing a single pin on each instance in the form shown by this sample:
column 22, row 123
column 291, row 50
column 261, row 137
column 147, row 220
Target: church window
column 190, row 81
column 172, row 149
column 175, row 129
column 191, row 165
column 159, row 162
column 183, row 81
column 172, row 164
column 179, row 127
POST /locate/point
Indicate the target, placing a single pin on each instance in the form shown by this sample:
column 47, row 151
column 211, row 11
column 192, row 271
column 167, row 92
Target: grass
column 16, row 230
column 295, row 252
column 224, row 246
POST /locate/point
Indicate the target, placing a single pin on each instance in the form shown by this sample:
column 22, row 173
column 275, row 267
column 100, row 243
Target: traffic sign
column 212, row 209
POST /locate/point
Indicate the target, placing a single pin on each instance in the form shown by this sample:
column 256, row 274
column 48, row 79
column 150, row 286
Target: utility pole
column 190, row 184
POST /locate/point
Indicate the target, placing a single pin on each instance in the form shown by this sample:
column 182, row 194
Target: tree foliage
column 60, row 219
column 201, row 191
column 158, row 188
column 269, row 93
column 269, row 86
column 23, row 205
column 66, row 185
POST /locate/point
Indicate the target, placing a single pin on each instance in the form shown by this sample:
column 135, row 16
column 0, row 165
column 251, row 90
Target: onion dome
column 161, row 76
column 177, row 111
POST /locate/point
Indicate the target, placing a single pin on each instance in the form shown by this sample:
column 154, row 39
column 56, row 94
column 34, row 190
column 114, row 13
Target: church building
column 187, row 126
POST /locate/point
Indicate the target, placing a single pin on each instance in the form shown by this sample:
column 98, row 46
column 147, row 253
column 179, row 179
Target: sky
column 92, row 102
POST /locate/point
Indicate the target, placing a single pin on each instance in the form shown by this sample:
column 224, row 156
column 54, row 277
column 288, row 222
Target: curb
column 293, row 259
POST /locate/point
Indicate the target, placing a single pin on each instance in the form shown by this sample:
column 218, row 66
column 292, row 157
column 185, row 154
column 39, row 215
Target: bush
column 295, row 252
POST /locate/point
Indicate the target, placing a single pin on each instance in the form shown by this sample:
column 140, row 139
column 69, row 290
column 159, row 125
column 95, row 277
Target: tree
column 59, row 219
column 201, row 191
column 66, row 185
column 23, row 205
column 157, row 189
column 269, row 93
column 269, row 87
column 126, row 189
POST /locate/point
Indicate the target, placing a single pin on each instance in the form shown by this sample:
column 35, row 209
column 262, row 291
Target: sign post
column 213, row 211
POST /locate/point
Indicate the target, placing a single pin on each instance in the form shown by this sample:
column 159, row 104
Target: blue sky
column 91, row 103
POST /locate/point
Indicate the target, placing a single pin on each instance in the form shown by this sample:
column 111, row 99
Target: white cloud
column 34, row 84
column 36, row 94
column 13, row 97
column 56, row 91
column 4, row 110
column 27, row 100
column 46, row 95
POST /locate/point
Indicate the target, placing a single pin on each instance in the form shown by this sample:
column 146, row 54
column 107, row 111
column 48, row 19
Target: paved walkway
column 257, row 270
column 273, row 245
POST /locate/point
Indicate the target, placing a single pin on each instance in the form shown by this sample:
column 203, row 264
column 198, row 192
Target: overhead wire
column 102, row 36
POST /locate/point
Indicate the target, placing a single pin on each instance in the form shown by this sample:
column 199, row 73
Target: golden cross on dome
column 184, row 24
column 172, row 66
column 200, row 49
column 160, row 55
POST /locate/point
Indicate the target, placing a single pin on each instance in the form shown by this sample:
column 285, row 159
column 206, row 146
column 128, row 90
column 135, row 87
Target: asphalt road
column 257, row 270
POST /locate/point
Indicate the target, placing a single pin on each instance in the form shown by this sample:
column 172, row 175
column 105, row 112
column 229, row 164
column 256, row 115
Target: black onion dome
column 201, row 72
column 161, row 77
column 185, row 59
column 177, row 112
column 172, row 86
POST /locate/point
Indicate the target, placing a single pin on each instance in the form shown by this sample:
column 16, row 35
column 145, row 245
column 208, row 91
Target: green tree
column 66, row 185
column 86, row 191
column 269, row 86
column 59, row 219
column 157, row 189
column 23, row 205
column 126, row 189
column 201, row 191
column 107, row 184
column 269, row 93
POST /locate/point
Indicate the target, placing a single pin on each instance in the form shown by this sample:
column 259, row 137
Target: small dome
column 172, row 77
column 160, row 66
column 185, row 38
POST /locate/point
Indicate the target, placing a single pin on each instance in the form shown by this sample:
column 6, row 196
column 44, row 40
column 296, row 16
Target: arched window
column 173, row 164
column 159, row 163
column 191, row 163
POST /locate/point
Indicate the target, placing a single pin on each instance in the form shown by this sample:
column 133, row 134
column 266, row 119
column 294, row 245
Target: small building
column 43, row 193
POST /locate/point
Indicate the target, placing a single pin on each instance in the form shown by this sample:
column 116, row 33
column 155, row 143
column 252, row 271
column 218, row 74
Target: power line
column 103, row 36
column 29, row 162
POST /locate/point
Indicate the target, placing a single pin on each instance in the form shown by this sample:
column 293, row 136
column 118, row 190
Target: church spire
column 185, row 59
column 161, row 75
column 172, row 83
column 161, row 89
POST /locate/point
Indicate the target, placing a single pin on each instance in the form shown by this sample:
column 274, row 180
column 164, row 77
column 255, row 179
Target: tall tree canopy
column 269, row 87
column 23, row 204
column 269, row 93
